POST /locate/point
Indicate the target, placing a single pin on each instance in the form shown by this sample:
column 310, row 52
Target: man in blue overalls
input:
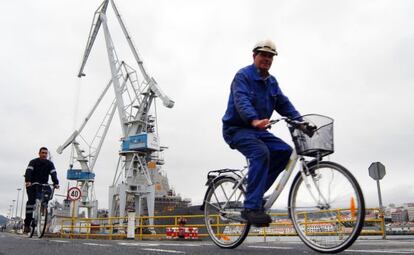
column 254, row 95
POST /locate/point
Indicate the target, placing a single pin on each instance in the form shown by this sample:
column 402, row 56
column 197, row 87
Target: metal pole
column 21, row 207
column 381, row 211
column 379, row 194
column 73, row 217
column 12, row 209
column 17, row 203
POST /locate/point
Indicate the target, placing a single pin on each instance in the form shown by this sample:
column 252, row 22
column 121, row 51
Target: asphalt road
column 11, row 244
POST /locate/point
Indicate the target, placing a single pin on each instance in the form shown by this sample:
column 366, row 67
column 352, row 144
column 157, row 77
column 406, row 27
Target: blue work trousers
column 268, row 155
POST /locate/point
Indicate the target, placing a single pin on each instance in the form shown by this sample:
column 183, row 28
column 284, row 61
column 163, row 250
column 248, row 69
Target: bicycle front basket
column 321, row 143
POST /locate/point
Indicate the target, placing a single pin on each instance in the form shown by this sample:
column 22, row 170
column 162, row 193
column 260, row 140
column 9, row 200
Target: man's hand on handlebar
column 56, row 186
column 304, row 126
column 260, row 124
column 307, row 128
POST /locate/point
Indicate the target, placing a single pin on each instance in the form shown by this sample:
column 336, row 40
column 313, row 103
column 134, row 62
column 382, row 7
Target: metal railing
column 117, row 227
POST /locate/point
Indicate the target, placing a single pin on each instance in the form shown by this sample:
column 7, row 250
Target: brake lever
column 271, row 122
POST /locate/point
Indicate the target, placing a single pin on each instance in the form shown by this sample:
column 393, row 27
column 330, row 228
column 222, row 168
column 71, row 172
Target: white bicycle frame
column 271, row 199
column 35, row 211
column 285, row 177
column 37, row 214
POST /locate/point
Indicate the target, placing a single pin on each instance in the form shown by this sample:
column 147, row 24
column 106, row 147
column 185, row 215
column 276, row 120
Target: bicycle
column 44, row 193
column 325, row 202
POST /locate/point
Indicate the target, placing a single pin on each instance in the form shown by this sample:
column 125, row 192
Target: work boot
column 26, row 229
column 256, row 217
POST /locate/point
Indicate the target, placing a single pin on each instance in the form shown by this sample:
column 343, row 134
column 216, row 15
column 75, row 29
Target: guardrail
column 116, row 227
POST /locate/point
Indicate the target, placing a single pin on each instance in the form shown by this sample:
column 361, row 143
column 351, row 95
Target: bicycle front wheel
column 41, row 220
column 222, row 209
column 32, row 227
column 327, row 207
column 35, row 218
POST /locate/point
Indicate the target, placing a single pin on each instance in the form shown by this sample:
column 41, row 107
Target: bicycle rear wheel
column 222, row 209
column 327, row 207
column 42, row 220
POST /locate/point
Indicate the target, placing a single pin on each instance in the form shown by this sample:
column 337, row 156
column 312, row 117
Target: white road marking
column 59, row 241
column 270, row 247
column 382, row 251
column 161, row 250
column 382, row 242
column 34, row 239
column 160, row 244
column 98, row 244
column 180, row 244
column 139, row 244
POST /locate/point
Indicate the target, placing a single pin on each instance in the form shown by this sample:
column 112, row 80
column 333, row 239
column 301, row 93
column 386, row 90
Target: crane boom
column 167, row 102
column 73, row 136
column 96, row 24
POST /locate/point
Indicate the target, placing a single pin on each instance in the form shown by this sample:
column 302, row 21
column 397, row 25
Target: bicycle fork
column 35, row 213
column 311, row 182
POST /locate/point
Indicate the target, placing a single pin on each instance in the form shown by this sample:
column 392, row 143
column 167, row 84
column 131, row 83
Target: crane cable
column 76, row 100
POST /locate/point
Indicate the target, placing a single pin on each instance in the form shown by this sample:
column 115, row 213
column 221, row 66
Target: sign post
column 377, row 172
column 74, row 193
column 131, row 225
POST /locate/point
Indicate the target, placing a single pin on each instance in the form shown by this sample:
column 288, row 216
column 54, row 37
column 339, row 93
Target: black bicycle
column 44, row 193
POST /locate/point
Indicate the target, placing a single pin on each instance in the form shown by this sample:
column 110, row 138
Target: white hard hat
column 266, row 45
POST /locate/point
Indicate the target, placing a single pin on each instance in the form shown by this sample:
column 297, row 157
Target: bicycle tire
column 226, row 231
column 42, row 221
column 33, row 223
column 328, row 225
column 32, row 228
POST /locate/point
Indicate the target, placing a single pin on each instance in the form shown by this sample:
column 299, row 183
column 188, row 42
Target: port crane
column 135, row 92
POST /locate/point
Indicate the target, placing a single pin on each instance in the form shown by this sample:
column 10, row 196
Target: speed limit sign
column 74, row 193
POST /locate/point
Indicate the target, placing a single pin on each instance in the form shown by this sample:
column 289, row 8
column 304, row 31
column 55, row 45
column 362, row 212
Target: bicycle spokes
column 222, row 209
column 327, row 208
column 313, row 184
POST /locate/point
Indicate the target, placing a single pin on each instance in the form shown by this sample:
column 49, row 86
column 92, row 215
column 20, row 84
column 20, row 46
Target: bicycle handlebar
column 44, row 184
column 53, row 186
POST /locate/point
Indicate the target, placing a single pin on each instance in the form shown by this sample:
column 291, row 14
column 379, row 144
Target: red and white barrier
column 181, row 232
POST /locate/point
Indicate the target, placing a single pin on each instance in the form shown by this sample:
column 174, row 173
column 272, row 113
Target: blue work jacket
column 253, row 97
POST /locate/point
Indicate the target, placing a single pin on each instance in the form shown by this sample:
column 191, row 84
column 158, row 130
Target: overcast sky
column 351, row 60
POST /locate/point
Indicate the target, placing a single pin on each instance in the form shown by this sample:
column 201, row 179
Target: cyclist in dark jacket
column 37, row 171
column 254, row 95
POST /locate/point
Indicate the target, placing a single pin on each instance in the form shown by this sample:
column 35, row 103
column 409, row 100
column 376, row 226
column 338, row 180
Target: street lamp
column 21, row 207
column 12, row 209
column 17, row 204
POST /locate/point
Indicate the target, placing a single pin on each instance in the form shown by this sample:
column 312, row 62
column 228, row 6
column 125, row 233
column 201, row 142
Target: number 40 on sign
column 74, row 193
